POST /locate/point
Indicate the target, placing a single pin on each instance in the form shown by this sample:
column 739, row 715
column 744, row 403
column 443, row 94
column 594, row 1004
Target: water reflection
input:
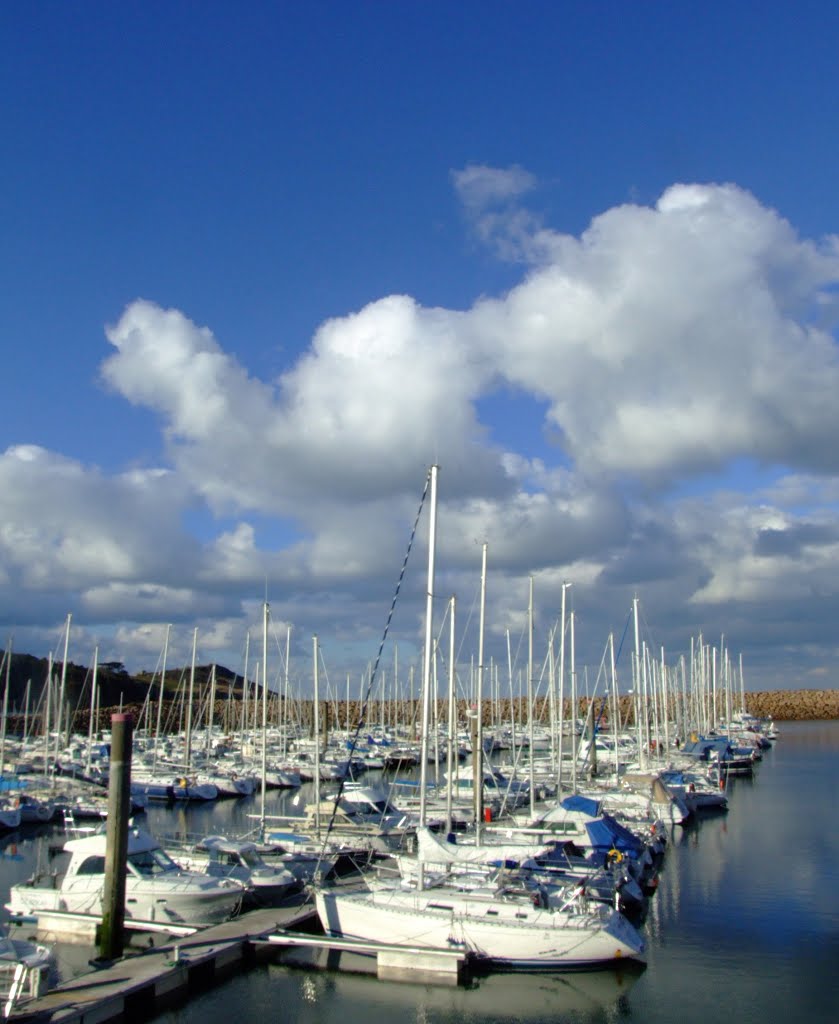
column 586, row 998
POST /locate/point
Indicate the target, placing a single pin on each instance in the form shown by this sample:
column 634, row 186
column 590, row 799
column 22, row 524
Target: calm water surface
column 745, row 924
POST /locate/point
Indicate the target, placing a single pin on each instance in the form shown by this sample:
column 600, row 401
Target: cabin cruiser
column 157, row 890
column 697, row 791
column 220, row 857
column 717, row 753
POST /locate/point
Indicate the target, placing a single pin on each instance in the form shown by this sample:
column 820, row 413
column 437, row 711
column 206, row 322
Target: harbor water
column 744, row 925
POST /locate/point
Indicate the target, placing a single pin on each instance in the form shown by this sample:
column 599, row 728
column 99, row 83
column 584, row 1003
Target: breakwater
column 781, row 705
column 793, row 705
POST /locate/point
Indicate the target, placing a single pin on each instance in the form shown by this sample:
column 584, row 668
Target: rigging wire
column 374, row 672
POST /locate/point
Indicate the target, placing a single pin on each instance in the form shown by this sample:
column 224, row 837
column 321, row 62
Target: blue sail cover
column 606, row 834
column 586, row 804
column 701, row 748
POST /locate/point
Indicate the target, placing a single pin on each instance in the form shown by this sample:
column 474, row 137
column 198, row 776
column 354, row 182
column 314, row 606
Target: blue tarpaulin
column 606, row 834
column 586, row 804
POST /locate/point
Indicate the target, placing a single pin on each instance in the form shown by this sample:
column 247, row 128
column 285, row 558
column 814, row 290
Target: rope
column 373, row 674
column 623, row 637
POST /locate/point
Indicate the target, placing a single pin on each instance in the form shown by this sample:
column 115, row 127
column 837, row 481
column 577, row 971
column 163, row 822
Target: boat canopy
column 607, row 834
column 585, row 804
column 702, row 747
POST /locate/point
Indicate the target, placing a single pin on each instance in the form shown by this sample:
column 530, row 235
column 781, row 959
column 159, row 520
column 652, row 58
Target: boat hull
column 162, row 904
column 511, row 936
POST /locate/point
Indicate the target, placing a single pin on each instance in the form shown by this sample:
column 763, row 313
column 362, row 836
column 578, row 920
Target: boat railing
column 76, row 831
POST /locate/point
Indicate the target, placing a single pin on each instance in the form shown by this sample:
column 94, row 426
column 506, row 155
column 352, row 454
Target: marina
column 717, row 898
column 419, row 521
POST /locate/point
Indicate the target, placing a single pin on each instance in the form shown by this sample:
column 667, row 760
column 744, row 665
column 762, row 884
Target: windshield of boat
column 151, row 862
column 251, row 858
column 384, row 806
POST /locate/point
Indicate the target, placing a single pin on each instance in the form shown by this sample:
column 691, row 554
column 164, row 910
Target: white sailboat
column 499, row 928
column 498, row 925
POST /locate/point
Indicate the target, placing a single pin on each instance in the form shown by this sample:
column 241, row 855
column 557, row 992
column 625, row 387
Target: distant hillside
column 115, row 685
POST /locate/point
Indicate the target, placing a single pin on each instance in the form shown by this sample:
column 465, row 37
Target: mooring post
column 116, row 854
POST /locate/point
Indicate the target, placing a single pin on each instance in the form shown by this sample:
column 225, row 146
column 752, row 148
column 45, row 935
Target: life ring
column 614, row 856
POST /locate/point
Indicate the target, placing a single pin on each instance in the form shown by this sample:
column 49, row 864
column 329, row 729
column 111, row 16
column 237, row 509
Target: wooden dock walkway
column 140, row 985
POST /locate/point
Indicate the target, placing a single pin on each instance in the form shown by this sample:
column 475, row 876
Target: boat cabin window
column 384, row 807
column 151, row 862
column 92, row 866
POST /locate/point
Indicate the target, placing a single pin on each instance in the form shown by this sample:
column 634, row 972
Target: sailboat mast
column 316, row 727
column 530, row 739
column 264, row 718
column 450, row 758
column 574, row 710
column 478, row 752
column 49, row 768
column 426, row 667
column 565, row 587
column 188, row 743
column 284, row 746
column 160, row 701
column 8, row 660
column 637, row 685
column 62, row 691
column 92, row 716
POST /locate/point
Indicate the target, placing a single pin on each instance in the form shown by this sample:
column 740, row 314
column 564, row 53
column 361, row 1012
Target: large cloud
column 665, row 343
column 669, row 341
column 381, row 394
column 64, row 521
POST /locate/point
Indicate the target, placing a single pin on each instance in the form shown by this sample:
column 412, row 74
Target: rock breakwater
column 793, row 705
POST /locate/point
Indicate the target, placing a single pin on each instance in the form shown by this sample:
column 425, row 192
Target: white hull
column 156, row 891
column 506, row 933
column 159, row 906
column 38, row 962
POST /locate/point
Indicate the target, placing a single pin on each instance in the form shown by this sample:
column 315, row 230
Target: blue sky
column 262, row 264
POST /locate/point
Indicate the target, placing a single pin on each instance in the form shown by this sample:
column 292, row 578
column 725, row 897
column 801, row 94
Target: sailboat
column 495, row 923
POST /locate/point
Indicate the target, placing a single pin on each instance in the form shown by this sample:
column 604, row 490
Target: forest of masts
column 702, row 690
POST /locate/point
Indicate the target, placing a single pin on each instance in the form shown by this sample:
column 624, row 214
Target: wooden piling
column 111, row 931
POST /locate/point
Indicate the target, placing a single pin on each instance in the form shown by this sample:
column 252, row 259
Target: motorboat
column 10, row 814
column 157, row 890
column 220, row 857
column 25, row 970
column 698, row 792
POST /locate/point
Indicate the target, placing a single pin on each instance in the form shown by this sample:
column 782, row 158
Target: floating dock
column 139, row 986
column 393, row 963
column 142, row 984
